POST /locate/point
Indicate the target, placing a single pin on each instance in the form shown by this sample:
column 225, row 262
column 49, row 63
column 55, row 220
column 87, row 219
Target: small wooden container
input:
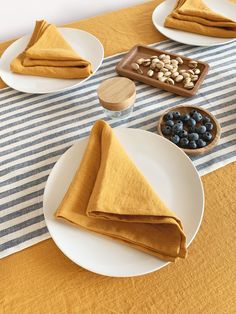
column 117, row 96
column 139, row 51
column 186, row 109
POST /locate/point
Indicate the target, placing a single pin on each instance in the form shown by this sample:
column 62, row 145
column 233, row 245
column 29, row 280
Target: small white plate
column 170, row 172
column 87, row 45
column 159, row 15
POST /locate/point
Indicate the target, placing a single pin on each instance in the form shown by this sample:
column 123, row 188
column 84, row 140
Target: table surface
column 41, row 279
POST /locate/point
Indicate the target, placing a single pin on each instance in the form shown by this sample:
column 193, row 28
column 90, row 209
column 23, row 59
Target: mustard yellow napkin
column 110, row 196
column 48, row 54
column 195, row 17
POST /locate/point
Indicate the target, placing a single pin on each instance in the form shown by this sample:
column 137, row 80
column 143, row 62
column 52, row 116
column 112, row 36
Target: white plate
column 169, row 171
column 87, row 45
column 159, row 15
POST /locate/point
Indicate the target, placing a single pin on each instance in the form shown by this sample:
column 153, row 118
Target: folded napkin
column 110, row 196
column 195, row 17
column 48, row 54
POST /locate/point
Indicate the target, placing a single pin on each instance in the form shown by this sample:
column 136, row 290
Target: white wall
column 17, row 17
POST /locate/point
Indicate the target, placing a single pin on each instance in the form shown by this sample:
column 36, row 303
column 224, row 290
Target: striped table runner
column 35, row 130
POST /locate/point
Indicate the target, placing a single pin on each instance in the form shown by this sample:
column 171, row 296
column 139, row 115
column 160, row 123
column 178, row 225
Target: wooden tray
column 186, row 109
column 124, row 68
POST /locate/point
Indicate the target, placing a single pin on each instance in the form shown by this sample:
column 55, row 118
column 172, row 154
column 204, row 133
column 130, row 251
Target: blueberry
column 209, row 126
column 166, row 130
column 197, row 116
column 179, row 122
column 175, row 139
column 183, row 142
column 169, row 116
column 170, row 123
column 192, row 144
column 206, row 119
column 201, row 143
column 183, row 133
column 176, row 114
column 207, row 136
column 177, row 127
column 201, row 129
column 193, row 136
column 191, row 122
column 185, row 117
column 192, row 129
column 193, row 111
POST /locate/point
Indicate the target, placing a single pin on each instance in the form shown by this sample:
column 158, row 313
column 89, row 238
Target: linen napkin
column 195, row 17
column 110, row 196
column 48, row 54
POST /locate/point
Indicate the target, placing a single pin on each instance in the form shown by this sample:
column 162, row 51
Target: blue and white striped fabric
column 35, row 130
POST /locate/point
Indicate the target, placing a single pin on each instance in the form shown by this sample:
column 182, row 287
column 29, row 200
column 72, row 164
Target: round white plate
column 159, row 15
column 171, row 174
column 87, row 45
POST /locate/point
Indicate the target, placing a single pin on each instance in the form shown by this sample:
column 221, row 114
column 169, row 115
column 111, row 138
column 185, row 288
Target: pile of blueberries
column 188, row 130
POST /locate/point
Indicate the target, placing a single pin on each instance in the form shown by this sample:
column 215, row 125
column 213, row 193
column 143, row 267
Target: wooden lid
column 117, row 93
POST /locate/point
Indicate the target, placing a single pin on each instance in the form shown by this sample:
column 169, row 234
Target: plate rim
column 124, row 129
column 2, row 75
column 180, row 40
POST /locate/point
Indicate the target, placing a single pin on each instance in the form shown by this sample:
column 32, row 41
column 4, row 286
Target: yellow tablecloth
column 42, row 280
